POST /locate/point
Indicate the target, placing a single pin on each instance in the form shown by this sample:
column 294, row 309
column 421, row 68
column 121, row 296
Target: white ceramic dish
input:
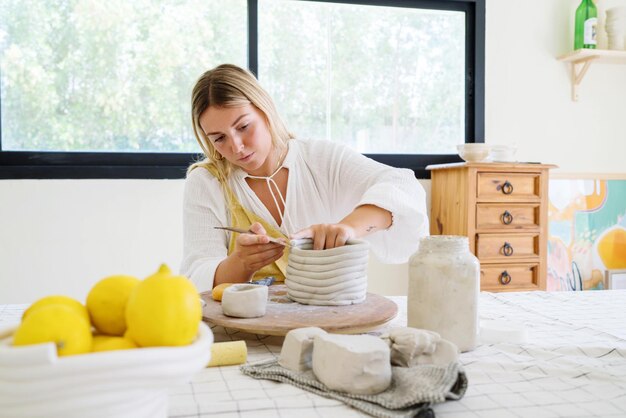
column 34, row 382
column 245, row 300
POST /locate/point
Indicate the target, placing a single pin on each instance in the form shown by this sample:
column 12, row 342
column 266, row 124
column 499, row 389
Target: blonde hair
column 228, row 85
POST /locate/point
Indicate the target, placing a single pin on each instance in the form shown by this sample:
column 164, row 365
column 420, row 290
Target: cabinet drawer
column 506, row 217
column 509, row 277
column 507, row 247
column 508, row 186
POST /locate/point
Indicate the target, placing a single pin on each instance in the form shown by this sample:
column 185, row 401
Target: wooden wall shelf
column 581, row 59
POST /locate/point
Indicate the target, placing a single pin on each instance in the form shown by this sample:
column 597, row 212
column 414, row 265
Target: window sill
column 74, row 165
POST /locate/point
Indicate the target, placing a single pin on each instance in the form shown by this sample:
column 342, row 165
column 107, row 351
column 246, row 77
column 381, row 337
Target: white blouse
column 327, row 181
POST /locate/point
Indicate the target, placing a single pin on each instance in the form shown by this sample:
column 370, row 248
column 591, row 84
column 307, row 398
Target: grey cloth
column 412, row 390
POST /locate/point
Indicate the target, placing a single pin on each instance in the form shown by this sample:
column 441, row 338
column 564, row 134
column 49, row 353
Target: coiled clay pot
column 337, row 276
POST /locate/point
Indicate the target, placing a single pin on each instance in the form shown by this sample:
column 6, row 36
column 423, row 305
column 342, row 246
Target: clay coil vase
column 321, row 281
column 337, row 276
column 330, row 299
column 328, row 291
column 327, row 260
column 328, row 274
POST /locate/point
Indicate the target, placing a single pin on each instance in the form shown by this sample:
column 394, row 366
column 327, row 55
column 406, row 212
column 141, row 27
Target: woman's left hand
column 326, row 236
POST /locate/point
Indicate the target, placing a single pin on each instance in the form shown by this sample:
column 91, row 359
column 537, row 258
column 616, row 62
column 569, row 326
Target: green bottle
column 585, row 29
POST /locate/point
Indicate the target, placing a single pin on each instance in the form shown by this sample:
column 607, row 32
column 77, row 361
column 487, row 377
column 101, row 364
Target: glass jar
column 444, row 281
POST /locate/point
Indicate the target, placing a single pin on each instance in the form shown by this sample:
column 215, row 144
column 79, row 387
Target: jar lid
column 498, row 331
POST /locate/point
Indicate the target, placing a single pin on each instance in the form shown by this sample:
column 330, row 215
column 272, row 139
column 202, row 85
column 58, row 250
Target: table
column 573, row 364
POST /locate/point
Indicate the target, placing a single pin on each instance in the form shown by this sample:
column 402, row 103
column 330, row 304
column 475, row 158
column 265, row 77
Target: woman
column 257, row 176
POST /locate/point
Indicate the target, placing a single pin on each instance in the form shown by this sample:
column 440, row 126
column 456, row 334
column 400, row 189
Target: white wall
column 528, row 100
column 61, row 236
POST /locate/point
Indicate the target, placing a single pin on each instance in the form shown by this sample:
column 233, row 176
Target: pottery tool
column 267, row 281
column 247, row 231
column 228, row 353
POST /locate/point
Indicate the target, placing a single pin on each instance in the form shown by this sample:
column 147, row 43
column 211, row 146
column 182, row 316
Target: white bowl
column 34, row 382
column 474, row 153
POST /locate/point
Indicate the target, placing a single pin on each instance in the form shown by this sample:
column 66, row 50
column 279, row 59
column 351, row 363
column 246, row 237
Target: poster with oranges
column 586, row 231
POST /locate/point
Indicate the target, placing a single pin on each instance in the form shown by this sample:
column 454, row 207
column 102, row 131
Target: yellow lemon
column 106, row 303
column 56, row 300
column 164, row 310
column 218, row 290
column 109, row 343
column 58, row 324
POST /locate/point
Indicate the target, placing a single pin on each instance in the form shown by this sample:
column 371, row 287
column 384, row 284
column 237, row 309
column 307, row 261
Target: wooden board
column 283, row 315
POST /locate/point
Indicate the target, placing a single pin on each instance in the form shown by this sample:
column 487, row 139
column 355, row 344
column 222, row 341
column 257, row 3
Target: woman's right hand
column 255, row 251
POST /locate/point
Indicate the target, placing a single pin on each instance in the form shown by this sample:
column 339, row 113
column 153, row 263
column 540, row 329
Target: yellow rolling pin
column 228, row 353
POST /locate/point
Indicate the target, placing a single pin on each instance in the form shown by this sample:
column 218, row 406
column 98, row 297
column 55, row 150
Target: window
column 102, row 90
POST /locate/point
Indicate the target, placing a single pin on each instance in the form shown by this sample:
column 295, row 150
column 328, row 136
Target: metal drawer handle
column 507, row 188
column 505, row 278
column 506, row 217
column 507, row 249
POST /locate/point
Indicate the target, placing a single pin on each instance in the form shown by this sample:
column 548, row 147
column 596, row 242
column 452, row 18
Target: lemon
column 58, row 324
column 164, row 310
column 55, row 300
column 218, row 291
column 106, row 303
column 109, row 343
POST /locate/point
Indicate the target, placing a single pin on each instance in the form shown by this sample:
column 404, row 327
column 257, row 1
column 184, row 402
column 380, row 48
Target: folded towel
column 413, row 389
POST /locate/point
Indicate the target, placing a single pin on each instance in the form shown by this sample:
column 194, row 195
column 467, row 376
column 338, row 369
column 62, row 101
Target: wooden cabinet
column 503, row 209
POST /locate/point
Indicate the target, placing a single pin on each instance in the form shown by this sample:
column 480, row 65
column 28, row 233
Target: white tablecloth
column 574, row 364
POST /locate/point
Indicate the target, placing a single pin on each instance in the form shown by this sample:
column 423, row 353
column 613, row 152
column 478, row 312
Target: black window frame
column 144, row 165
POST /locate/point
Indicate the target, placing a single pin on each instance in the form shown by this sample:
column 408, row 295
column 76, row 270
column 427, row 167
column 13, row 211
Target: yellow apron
column 242, row 218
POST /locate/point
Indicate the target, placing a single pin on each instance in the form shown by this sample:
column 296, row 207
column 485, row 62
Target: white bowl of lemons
column 78, row 374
